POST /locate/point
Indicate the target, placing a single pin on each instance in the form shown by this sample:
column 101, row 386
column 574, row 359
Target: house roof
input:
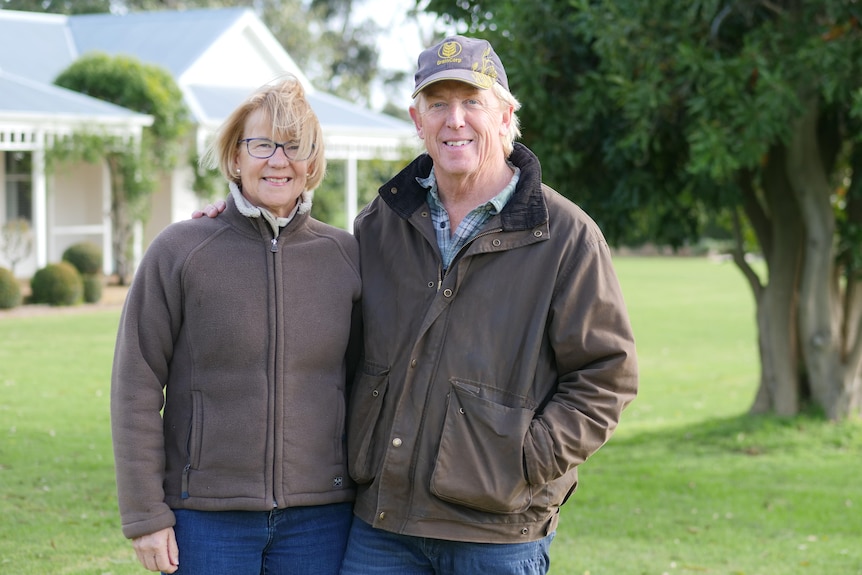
column 218, row 102
column 40, row 46
column 172, row 40
column 23, row 96
column 35, row 46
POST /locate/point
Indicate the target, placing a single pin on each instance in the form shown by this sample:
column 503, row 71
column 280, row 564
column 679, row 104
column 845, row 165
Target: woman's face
column 274, row 183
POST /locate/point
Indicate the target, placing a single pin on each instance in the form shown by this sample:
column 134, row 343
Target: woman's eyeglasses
column 263, row 148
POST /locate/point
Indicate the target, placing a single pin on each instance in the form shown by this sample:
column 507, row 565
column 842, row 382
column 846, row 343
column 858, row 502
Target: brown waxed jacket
column 483, row 389
column 248, row 338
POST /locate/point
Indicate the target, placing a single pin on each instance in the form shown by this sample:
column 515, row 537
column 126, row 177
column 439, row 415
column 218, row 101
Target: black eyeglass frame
column 275, row 147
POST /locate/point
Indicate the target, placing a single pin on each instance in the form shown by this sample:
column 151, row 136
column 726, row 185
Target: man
column 498, row 350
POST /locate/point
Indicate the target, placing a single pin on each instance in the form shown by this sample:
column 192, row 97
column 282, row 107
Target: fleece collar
column 249, row 210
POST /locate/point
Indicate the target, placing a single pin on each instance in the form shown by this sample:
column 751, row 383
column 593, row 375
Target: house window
column 19, row 186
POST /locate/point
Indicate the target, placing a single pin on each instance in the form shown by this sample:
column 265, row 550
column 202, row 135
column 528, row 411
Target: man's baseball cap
column 460, row 58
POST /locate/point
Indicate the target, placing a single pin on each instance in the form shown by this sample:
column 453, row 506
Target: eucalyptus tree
column 658, row 115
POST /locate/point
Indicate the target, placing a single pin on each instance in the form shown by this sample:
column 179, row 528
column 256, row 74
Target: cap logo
column 448, row 53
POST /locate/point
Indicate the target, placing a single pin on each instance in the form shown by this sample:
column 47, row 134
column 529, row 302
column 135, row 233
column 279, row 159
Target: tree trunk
column 820, row 315
column 122, row 227
column 780, row 389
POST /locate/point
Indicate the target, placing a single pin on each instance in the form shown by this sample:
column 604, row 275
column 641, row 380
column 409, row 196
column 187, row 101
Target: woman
column 241, row 329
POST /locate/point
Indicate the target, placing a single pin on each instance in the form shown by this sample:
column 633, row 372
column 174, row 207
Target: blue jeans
column 373, row 551
column 295, row 541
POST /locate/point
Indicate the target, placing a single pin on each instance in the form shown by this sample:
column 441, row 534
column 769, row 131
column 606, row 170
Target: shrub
column 10, row 291
column 92, row 288
column 85, row 256
column 87, row 259
column 57, row 284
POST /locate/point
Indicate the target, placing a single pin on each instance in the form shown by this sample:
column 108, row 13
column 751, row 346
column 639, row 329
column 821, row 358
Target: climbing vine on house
column 134, row 166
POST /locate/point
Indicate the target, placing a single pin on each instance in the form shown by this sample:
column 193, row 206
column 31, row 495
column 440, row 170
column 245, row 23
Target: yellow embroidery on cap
column 484, row 72
column 448, row 51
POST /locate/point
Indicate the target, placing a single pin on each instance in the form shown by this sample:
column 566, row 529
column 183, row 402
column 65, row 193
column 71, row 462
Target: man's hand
column 158, row 551
column 210, row 210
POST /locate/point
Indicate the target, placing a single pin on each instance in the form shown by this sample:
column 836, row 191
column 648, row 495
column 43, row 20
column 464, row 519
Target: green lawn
column 689, row 484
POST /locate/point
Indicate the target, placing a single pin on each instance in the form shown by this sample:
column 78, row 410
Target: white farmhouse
column 217, row 57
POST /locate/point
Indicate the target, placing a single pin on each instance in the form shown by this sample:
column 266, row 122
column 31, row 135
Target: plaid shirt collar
column 448, row 242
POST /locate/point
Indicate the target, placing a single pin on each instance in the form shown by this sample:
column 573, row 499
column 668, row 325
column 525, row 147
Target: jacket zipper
column 185, row 487
column 273, row 248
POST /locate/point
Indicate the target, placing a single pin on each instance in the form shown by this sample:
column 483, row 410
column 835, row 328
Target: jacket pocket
column 480, row 461
column 366, row 403
column 196, row 430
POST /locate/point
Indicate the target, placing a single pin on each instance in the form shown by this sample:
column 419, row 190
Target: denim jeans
column 295, row 541
column 376, row 552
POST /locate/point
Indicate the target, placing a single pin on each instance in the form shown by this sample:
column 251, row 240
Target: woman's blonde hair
column 284, row 103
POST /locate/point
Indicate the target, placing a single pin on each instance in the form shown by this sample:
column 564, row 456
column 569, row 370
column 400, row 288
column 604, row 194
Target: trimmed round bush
column 85, row 256
column 57, row 284
column 92, row 288
column 10, row 291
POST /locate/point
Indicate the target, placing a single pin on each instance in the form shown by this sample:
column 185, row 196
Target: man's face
column 462, row 127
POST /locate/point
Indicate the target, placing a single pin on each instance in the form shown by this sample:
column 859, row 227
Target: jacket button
column 393, row 190
column 447, row 292
column 524, row 531
column 538, row 233
column 375, row 393
column 413, row 362
column 496, row 243
column 396, row 442
column 382, row 515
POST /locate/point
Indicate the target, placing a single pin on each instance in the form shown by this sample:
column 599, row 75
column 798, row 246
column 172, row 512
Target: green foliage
column 85, row 256
column 207, row 184
column 58, row 6
column 93, row 287
column 10, row 291
column 645, row 112
column 145, row 88
column 329, row 205
column 57, row 284
column 87, row 259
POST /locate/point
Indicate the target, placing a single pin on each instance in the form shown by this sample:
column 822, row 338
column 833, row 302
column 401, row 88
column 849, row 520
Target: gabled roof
column 192, row 45
column 22, row 96
column 172, row 40
column 217, row 102
column 35, row 46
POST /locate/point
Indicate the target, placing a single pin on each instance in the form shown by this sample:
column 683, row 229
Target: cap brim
column 466, row 76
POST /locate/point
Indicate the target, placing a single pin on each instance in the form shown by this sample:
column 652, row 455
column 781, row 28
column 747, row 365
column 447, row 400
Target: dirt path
column 113, row 297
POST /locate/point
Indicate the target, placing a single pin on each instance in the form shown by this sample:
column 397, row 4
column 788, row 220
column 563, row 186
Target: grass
column 57, row 494
column 689, row 484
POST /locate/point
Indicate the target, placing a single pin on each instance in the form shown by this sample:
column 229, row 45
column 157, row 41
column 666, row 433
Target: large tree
column 658, row 116
column 144, row 88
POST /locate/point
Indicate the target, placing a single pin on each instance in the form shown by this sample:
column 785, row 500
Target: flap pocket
column 366, row 403
column 480, row 461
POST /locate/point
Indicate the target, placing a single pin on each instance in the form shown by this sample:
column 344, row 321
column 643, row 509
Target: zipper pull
column 185, row 493
column 274, row 247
